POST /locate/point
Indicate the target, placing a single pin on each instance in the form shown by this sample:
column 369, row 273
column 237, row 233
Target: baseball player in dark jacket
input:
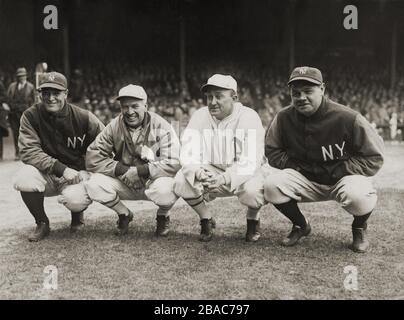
column 54, row 136
column 326, row 151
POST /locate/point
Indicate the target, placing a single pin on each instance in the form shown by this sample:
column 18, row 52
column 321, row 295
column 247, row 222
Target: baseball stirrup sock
column 34, row 203
column 292, row 212
column 77, row 217
column 360, row 221
column 253, row 213
column 163, row 211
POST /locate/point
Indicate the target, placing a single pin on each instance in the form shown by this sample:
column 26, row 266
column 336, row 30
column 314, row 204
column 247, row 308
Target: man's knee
column 357, row 196
column 252, row 194
column 98, row 188
column 161, row 192
column 272, row 188
column 75, row 198
column 182, row 188
column 29, row 179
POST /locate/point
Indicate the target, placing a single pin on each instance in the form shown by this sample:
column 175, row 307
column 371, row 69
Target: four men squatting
column 314, row 150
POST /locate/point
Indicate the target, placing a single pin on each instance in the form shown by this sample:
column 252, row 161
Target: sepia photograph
column 215, row 153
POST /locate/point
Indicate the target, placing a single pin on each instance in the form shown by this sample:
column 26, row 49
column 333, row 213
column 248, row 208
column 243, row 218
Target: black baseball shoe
column 41, row 231
column 253, row 231
column 296, row 234
column 360, row 244
column 207, row 226
column 123, row 224
column 162, row 226
column 77, row 223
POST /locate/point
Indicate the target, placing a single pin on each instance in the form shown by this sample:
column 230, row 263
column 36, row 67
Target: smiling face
column 53, row 99
column 133, row 110
column 220, row 102
column 306, row 96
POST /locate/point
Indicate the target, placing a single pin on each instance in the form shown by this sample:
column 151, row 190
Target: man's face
column 133, row 110
column 220, row 102
column 53, row 99
column 306, row 96
column 21, row 79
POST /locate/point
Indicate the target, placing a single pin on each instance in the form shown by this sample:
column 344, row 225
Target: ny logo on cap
column 302, row 70
column 51, row 76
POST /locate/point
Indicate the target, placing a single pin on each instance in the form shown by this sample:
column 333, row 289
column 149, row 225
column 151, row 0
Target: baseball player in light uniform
column 135, row 158
column 222, row 154
column 54, row 136
column 326, row 151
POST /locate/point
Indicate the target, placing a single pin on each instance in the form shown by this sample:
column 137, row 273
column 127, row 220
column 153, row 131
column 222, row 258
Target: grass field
column 98, row 265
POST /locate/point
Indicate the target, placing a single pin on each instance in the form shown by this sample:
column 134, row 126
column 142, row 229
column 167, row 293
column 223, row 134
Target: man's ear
column 322, row 87
column 234, row 96
column 67, row 92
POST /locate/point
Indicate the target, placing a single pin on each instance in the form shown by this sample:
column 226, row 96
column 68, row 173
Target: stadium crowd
column 363, row 88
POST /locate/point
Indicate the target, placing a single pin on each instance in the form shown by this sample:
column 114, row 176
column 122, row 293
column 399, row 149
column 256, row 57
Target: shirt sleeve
column 99, row 156
column 275, row 150
column 31, row 152
column 368, row 150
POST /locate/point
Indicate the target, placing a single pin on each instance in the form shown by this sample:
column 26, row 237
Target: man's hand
column 71, row 176
column 131, row 177
column 214, row 182
column 203, row 174
column 147, row 154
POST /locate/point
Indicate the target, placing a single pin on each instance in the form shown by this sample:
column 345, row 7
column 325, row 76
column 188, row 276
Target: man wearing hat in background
column 135, row 158
column 54, row 137
column 326, row 151
column 222, row 155
column 21, row 95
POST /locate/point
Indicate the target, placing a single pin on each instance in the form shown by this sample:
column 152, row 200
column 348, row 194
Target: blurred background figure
column 21, row 95
column 4, row 108
column 76, row 85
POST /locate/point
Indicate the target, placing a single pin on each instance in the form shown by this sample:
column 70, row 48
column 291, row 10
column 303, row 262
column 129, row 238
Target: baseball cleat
column 162, row 227
column 123, row 224
column 360, row 244
column 207, row 226
column 253, row 231
column 77, row 223
column 296, row 234
column 42, row 230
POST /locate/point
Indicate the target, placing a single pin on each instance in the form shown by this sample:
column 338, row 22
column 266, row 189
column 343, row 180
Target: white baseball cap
column 221, row 81
column 132, row 91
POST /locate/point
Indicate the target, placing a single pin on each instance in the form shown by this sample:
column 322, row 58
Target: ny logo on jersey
column 329, row 153
column 303, row 70
column 71, row 143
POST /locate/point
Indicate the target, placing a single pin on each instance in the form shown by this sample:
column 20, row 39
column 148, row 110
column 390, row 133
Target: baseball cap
column 21, row 72
column 220, row 81
column 133, row 91
column 53, row 80
column 309, row 74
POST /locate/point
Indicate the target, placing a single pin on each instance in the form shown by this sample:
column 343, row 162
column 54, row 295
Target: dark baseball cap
column 309, row 74
column 53, row 80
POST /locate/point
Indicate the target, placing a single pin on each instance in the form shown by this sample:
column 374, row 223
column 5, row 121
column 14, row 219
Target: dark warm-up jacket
column 334, row 142
column 52, row 142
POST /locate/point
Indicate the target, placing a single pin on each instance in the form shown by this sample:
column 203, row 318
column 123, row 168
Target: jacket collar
column 60, row 114
column 322, row 109
column 142, row 136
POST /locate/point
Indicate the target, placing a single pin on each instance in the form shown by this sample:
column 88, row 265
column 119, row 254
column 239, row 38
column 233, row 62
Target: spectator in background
column 4, row 108
column 76, row 87
column 21, row 95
